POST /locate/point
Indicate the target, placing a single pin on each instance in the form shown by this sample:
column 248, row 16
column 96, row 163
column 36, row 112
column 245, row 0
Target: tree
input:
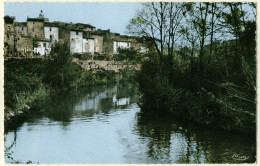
column 60, row 70
column 159, row 21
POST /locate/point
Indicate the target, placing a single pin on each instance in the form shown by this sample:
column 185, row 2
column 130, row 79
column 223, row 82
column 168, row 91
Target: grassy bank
column 28, row 81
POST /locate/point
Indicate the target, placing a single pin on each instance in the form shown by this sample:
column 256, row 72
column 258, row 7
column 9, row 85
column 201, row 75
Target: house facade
column 24, row 46
column 51, row 32
column 120, row 43
column 35, row 27
column 76, row 41
column 43, row 47
column 88, row 45
column 98, row 41
column 38, row 35
column 21, row 28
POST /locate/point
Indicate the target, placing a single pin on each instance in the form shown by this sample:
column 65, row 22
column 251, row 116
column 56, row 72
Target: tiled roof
column 85, row 25
column 41, row 39
column 51, row 24
column 119, row 39
column 95, row 32
column 36, row 19
column 20, row 23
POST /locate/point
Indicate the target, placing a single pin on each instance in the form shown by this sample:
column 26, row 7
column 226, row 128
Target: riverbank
column 86, row 119
column 207, row 97
column 28, row 81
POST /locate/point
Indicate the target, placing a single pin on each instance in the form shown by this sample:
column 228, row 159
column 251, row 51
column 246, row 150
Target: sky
column 103, row 15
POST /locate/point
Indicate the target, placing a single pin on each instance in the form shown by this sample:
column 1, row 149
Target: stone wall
column 24, row 45
column 64, row 35
column 9, row 39
column 106, row 65
column 98, row 43
column 35, row 28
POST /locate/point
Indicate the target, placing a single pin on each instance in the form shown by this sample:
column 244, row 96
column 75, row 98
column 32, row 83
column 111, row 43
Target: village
column 36, row 36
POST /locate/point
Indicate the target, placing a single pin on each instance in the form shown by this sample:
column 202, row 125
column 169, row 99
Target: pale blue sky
column 113, row 16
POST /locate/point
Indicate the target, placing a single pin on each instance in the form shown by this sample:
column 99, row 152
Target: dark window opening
column 50, row 37
column 77, row 32
column 44, row 45
column 50, row 28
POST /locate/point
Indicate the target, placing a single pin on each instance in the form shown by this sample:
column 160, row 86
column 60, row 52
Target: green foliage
column 137, row 20
column 130, row 55
column 60, row 71
column 35, row 44
column 23, row 85
column 223, row 95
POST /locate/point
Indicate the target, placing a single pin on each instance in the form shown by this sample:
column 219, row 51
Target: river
column 102, row 124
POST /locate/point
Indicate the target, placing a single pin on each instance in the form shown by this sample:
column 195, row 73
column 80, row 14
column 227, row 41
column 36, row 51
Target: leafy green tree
column 61, row 72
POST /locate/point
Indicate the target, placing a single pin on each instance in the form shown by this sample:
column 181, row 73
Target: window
column 22, row 29
column 77, row 33
column 44, row 45
column 50, row 28
column 128, row 44
column 50, row 37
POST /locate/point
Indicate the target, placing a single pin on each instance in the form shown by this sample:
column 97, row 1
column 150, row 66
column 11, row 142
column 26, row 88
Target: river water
column 102, row 124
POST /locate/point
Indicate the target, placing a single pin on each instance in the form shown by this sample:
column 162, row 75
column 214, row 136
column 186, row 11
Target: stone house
column 51, row 32
column 35, row 27
column 98, row 41
column 64, row 35
column 24, row 45
column 9, row 36
column 21, row 28
column 88, row 45
column 76, row 41
column 120, row 43
column 139, row 44
column 43, row 47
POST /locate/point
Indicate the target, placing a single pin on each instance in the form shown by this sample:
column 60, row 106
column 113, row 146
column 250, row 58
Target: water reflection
column 104, row 125
column 173, row 141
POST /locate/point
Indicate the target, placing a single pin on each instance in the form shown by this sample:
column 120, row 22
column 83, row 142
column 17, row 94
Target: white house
column 76, row 41
column 43, row 47
column 120, row 43
column 51, row 32
column 88, row 45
